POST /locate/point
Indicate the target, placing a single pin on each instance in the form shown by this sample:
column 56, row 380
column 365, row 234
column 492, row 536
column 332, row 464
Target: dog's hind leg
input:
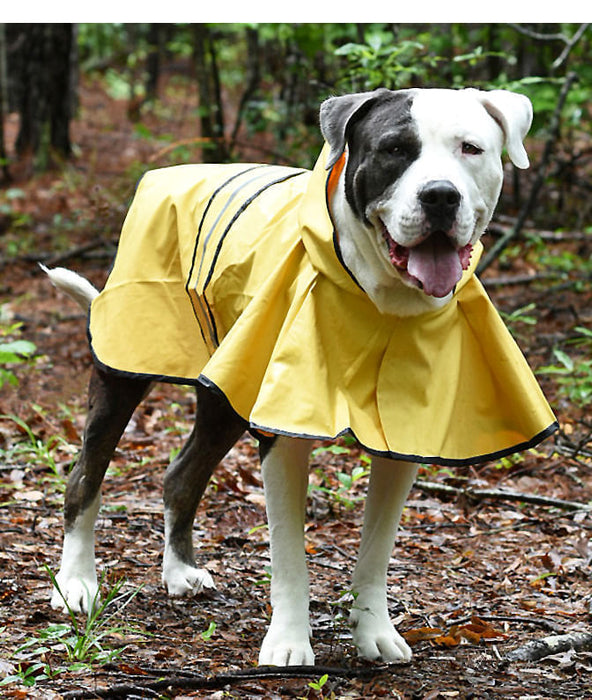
column 111, row 402
column 285, row 476
column 217, row 428
column 374, row 634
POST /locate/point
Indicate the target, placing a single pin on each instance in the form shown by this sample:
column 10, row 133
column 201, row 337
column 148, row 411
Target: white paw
column 376, row 638
column 182, row 579
column 285, row 646
column 77, row 593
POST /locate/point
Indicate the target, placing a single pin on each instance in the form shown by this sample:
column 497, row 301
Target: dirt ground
column 489, row 574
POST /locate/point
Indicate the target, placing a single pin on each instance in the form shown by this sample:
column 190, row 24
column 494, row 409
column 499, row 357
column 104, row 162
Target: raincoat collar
column 321, row 238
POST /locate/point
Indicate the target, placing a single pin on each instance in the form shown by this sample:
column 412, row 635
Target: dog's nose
column 440, row 200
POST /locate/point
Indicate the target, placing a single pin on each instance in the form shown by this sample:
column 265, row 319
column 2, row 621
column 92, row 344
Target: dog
column 375, row 316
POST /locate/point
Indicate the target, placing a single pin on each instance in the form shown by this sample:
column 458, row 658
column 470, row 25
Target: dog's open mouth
column 434, row 265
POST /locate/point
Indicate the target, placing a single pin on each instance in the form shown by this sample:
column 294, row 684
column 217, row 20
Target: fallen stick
column 498, row 494
column 518, row 619
column 197, row 682
column 556, row 644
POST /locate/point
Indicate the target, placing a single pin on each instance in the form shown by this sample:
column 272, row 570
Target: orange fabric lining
column 334, row 175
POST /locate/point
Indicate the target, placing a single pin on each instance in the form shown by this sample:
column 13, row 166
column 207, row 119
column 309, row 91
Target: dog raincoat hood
column 230, row 276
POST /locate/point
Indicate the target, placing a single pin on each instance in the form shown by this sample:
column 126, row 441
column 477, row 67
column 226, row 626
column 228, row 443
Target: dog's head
column 422, row 177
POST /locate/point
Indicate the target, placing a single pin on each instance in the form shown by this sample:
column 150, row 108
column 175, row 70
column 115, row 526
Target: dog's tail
column 75, row 286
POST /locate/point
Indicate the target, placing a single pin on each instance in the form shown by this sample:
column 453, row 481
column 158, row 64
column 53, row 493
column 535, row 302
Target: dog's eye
column 393, row 148
column 393, row 145
column 469, row 149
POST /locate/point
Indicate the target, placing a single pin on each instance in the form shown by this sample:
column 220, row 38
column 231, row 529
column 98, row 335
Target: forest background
column 86, row 109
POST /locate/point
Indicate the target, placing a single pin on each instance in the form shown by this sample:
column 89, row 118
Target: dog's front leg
column 285, row 477
column 374, row 634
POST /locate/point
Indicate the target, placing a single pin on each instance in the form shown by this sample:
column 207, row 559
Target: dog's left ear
column 335, row 115
column 513, row 112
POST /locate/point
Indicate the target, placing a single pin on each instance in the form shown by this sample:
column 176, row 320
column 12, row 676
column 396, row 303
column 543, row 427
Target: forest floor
column 491, row 574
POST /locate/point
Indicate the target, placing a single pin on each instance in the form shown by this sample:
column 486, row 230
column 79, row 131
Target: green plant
column 10, row 209
column 69, row 646
column 509, row 462
column 584, row 337
column 265, row 579
column 381, row 62
column 518, row 318
column 13, row 349
column 13, row 352
column 86, row 643
column 574, row 377
column 343, row 494
column 206, row 635
column 36, row 451
column 411, row 58
column 564, row 262
column 28, row 673
column 318, row 685
column 521, row 315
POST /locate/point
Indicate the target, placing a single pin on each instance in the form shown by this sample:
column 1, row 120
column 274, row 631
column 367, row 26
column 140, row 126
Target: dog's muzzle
column 434, row 264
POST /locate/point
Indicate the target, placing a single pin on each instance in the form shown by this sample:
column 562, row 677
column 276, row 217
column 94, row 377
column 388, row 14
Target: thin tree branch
column 570, row 43
column 539, row 36
column 494, row 252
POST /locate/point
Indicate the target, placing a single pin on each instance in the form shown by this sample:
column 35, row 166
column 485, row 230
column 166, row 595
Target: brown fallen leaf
column 70, row 430
column 448, row 640
column 484, row 629
column 472, row 632
column 421, row 634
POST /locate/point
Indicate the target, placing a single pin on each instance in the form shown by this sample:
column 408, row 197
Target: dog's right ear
column 336, row 114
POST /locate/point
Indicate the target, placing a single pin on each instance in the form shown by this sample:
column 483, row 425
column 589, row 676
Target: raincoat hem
column 265, row 431
column 420, row 459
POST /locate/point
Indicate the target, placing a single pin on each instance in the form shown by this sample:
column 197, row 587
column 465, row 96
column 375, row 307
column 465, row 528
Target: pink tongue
column 436, row 264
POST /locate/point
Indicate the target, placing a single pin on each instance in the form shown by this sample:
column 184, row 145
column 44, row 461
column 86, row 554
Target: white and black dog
column 422, row 176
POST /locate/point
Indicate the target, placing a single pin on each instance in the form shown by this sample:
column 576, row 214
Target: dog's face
column 422, row 178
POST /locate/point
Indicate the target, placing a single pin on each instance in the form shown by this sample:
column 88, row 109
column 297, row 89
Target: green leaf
column 564, row 358
column 17, row 347
column 584, row 331
column 209, row 632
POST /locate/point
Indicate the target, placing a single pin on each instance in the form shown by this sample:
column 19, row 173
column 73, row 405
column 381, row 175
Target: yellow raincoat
column 230, row 276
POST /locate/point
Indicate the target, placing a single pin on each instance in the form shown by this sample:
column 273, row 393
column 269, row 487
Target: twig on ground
column 197, row 682
column 539, row 648
column 518, row 619
column 497, row 494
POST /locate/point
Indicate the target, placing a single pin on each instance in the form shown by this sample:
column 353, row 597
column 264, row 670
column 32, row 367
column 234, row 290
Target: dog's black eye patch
column 392, row 143
column 382, row 145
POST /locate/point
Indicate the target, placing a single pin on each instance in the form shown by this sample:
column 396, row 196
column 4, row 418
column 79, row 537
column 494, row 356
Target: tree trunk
column 59, row 90
column 40, row 66
column 253, row 78
column 210, row 100
column 153, row 61
column 3, row 105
